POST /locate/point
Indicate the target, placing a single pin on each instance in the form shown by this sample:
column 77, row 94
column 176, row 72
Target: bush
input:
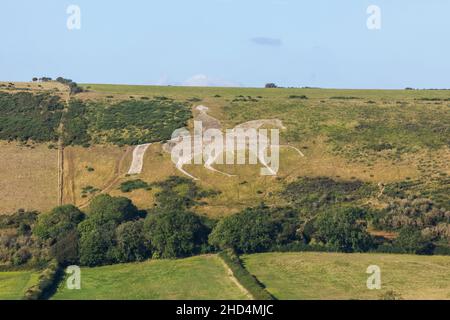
column 118, row 209
column 25, row 116
column 179, row 193
column 97, row 243
column 303, row 97
column 48, row 282
column 131, row 185
column 254, row 230
column 76, row 124
column 21, row 257
column 131, row 242
column 248, row 281
column 58, row 222
column 343, row 230
column 66, row 248
column 175, row 234
column 410, row 240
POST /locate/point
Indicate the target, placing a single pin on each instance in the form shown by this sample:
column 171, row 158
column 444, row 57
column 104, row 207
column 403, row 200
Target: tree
column 35, row 79
column 117, row 209
column 271, row 85
column 58, row 222
column 66, row 249
column 131, row 242
column 97, row 243
column 254, row 230
column 410, row 240
column 343, row 230
column 175, row 233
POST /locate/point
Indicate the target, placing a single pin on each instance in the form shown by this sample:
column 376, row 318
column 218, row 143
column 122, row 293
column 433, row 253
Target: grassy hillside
column 398, row 138
column 343, row 276
column 28, row 177
column 201, row 277
column 13, row 284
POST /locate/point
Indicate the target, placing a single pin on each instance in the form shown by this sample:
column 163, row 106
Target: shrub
column 248, row 281
column 303, row 97
column 410, row 240
column 131, row 185
column 26, row 116
column 175, row 234
column 66, row 248
column 48, row 281
column 254, row 230
column 97, row 242
column 58, row 222
column 117, row 209
column 179, row 193
column 343, row 230
column 21, row 257
column 131, row 242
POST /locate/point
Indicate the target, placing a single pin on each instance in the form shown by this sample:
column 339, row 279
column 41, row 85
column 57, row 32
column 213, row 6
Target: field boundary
column 48, row 282
column 249, row 282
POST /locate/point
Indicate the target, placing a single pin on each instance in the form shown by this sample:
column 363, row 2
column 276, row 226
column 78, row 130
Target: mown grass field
column 13, row 284
column 343, row 276
column 201, row 277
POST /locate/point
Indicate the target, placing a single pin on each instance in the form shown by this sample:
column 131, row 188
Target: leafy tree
column 58, row 222
column 410, row 240
column 66, row 248
column 175, row 233
column 100, row 242
column 271, row 85
column 343, row 230
column 254, row 230
column 117, row 209
column 131, row 243
column 97, row 242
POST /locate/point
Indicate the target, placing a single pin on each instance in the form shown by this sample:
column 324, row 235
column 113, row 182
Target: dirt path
column 116, row 177
column 61, row 152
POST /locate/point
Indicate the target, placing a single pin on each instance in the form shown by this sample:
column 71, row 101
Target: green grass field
column 13, row 284
column 343, row 276
column 201, row 277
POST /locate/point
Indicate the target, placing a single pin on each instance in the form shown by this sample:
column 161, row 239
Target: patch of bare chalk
column 138, row 158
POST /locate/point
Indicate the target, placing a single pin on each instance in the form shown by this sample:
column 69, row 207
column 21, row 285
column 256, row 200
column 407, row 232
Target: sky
column 320, row 43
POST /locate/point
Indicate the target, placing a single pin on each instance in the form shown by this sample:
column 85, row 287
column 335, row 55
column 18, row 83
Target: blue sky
column 322, row 43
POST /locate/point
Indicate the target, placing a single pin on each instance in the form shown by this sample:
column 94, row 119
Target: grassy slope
column 342, row 276
column 13, row 284
column 339, row 138
column 201, row 277
column 28, row 177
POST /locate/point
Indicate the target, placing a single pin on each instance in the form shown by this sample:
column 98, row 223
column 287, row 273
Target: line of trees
column 113, row 230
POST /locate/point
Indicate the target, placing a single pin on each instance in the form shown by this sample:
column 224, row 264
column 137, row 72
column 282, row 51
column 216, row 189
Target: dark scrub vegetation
column 137, row 122
column 25, row 116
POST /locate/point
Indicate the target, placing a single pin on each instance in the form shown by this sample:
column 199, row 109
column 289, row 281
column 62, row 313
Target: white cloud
column 201, row 80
